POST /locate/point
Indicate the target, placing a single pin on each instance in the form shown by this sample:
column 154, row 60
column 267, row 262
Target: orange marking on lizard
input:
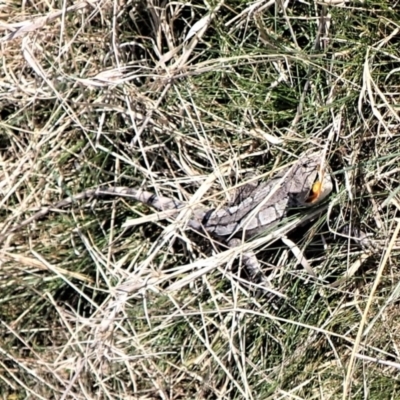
column 316, row 189
column 315, row 192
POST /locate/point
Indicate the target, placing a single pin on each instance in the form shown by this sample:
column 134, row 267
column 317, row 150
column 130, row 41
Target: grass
column 111, row 93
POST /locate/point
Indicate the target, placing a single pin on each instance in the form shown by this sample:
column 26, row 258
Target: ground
column 106, row 300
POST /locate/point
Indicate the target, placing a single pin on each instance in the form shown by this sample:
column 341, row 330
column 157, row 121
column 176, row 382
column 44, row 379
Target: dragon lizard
column 256, row 209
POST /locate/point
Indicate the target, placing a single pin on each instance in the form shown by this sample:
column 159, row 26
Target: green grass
column 109, row 93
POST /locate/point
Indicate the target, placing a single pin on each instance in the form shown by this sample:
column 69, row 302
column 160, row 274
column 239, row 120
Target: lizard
column 257, row 207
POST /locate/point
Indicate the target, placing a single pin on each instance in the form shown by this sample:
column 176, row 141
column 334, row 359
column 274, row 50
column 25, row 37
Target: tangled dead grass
column 104, row 300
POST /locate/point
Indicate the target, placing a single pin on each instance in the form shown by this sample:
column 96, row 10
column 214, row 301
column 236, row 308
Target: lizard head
column 311, row 182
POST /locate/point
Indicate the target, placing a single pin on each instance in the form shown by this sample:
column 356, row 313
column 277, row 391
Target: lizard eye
column 315, row 192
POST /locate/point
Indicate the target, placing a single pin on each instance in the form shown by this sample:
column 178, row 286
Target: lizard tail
column 158, row 202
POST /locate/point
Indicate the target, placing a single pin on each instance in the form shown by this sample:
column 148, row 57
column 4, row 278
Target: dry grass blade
column 350, row 368
column 109, row 299
column 22, row 28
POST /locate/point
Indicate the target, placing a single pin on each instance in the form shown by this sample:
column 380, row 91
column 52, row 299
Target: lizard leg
column 363, row 239
column 252, row 265
column 245, row 190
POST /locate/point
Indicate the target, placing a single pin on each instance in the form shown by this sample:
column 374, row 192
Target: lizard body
column 257, row 207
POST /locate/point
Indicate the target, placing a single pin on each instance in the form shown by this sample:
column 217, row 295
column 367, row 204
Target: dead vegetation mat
column 104, row 299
